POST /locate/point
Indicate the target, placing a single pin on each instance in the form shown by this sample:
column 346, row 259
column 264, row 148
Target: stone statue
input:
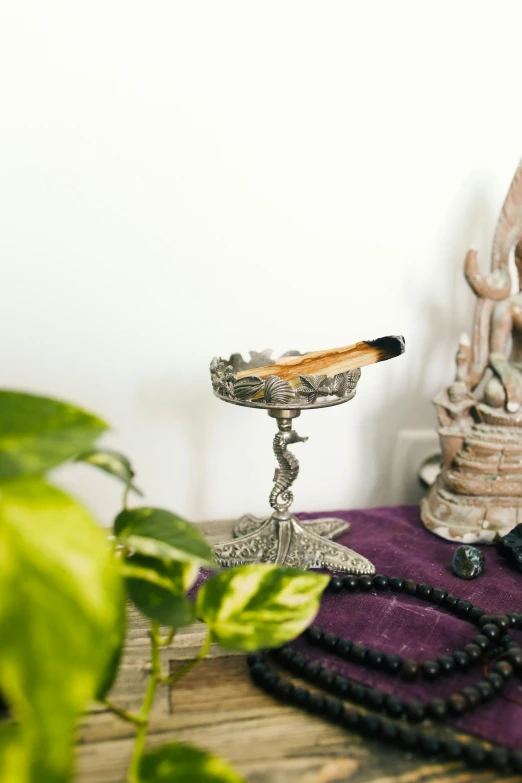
column 478, row 494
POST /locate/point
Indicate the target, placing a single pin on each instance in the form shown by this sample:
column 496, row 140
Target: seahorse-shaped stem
column 281, row 497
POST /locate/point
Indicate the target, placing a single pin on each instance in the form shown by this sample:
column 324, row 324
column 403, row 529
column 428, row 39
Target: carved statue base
column 478, row 494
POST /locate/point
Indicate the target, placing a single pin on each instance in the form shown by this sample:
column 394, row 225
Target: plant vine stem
column 148, row 701
column 156, row 678
column 130, row 717
column 171, row 679
column 126, row 496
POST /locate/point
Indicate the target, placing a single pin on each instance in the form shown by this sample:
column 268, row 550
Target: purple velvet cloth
column 395, row 540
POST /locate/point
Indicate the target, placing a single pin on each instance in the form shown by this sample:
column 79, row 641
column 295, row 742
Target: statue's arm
column 501, row 328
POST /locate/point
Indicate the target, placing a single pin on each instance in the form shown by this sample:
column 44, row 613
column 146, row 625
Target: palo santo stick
column 331, row 362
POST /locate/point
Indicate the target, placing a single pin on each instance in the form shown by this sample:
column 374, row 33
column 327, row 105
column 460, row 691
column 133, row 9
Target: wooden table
column 217, row 707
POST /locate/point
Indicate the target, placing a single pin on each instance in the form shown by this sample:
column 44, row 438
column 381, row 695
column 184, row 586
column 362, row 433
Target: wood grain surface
column 217, row 707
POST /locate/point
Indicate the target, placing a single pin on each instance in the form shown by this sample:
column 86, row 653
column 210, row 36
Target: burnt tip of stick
column 390, row 346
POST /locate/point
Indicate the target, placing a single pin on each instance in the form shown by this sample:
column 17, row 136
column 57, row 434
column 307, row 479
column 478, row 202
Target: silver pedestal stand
column 282, row 538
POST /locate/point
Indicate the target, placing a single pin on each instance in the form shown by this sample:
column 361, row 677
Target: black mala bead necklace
column 492, row 644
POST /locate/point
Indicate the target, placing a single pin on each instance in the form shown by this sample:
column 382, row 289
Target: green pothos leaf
column 38, row 433
column 255, row 606
column 180, row 763
column 61, row 599
column 157, row 589
column 163, row 535
column 111, row 462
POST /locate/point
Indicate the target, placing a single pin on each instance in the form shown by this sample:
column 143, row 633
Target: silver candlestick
column 282, row 538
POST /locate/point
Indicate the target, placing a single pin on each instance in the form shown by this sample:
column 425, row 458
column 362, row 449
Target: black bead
column 515, row 758
column 504, row 668
column 430, row 744
column 491, row 631
column 446, row 664
column 452, row 748
column 334, row 708
column 314, row 634
column 380, row 582
column 474, row 652
column 415, row 710
column 438, row 595
column 475, row 753
column 329, row 641
column 463, row 608
column 485, row 689
column 410, row 669
column 285, row 654
column 451, row 601
column 502, row 621
column 336, row 584
column 392, row 663
column 316, row 703
column 425, row 591
column 512, row 617
column 341, row 685
column 375, row 698
column 356, row 692
column 496, row 680
column 461, row 659
column 343, row 647
column 351, row 718
column 430, row 669
column 394, row 706
column 312, row 671
column 514, row 656
column 300, row 696
column 255, row 657
column 365, row 583
column 370, row 724
column 375, row 658
column 358, row 653
column 505, row 640
column 410, row 586
column 257, row 672
column 499, row 758
column 408, row 737
column 389, row 731
column 456, row 704
column 325, row 678
column 270, row 680
column 437, row 709
column 481, row 641
column 475, row 614
column 396, row 584
column 485, row 618
column 284, row 690
column 297, row 663
column 351, row 583
column 471, row 695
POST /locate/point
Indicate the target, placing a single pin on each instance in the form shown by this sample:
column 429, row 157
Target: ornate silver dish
column 282, row 538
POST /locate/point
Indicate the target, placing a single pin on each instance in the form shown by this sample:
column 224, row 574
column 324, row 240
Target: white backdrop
column 185, row 179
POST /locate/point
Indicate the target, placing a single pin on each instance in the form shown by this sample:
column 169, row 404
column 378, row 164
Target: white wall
column 185, row 179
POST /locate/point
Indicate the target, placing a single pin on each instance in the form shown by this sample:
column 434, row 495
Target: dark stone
column 468, row 562
column 510, row 546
